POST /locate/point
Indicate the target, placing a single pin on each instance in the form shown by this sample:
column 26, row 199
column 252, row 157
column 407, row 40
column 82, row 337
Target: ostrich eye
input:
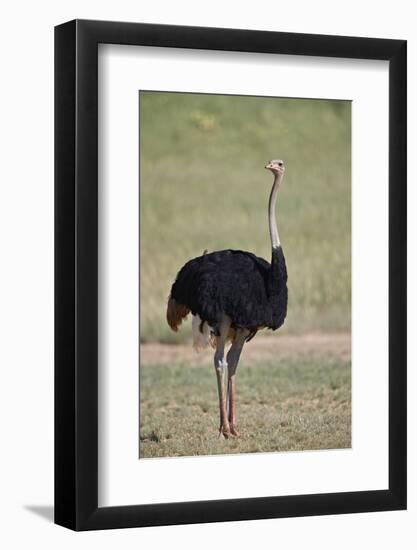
column 280, row 164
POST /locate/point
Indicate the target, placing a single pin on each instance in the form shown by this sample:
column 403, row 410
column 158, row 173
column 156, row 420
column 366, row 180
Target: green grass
column 203, row 186
column 291, row 404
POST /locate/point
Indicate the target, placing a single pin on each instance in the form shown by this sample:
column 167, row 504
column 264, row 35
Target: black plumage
column 249, row 290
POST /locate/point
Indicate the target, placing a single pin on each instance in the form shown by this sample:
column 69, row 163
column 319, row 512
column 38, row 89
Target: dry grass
column 287, row 401
column 203, row 186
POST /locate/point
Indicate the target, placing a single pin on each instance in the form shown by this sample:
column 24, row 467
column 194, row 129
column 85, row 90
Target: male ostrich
column 232, row 294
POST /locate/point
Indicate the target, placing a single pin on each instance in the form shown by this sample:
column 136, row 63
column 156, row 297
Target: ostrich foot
column 225, row 430
column 234, row 431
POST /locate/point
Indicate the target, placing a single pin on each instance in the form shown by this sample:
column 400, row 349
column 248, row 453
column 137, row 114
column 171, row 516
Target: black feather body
column 248, row 289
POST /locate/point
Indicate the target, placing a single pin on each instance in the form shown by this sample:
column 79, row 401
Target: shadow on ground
column 45, row 512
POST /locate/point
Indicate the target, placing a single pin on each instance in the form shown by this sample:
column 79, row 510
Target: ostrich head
column 276, row 166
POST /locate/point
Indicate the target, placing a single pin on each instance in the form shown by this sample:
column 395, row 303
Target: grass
column 203, row 186
column 294, row 403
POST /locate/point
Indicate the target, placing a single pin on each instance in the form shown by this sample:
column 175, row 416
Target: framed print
column 242, row 193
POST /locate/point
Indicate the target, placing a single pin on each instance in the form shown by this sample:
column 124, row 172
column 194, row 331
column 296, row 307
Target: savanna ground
column 203, row 186
column 293, row 394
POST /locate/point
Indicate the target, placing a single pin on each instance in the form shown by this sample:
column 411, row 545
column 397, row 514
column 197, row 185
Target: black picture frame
column 76, row 272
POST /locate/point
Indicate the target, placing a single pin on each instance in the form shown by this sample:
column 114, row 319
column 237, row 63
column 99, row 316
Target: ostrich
column 232, row 294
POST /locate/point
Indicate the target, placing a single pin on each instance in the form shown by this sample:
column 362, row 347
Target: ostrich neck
column 273, row 229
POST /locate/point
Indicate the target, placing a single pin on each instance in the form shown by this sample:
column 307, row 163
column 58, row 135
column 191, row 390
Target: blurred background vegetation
column 203, row 186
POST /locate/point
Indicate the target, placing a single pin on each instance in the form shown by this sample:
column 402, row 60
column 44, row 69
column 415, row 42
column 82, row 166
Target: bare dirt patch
column 260, row 348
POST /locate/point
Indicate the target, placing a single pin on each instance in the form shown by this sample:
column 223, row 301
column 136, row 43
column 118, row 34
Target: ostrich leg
column 232, row 362
column 220, row 367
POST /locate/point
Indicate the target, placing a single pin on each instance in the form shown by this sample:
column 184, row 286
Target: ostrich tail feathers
column 202, row 334
column 176, row 313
